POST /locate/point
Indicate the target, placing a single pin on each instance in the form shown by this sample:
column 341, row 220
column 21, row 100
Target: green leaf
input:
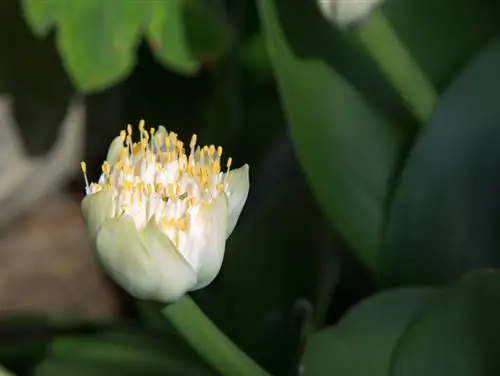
column 456, row 333
column 348, row 149
column 41, row 15
column 185, row 33
column 207, row 29
column 98, row 40
column 168, row 39
column 44, row 346
column 446, row 210
column 443, row 34
column 362, row 343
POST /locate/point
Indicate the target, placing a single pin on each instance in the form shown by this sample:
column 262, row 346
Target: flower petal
column 237, row 193
column 96, row 209
column 115, row 148
column 171, row 269
column 124, row 257
column 207, row 241
column 145, row 264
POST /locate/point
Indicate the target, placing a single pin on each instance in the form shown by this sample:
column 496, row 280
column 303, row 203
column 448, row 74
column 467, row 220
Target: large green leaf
column 348, row 149
column 362, row 343
column 457, row 332
column 97, row 40
column 446, row 211
column 43, row 346
column 443, row 34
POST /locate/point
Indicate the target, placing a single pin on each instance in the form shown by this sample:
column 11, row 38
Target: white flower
column 347, row 12
column 159, row 217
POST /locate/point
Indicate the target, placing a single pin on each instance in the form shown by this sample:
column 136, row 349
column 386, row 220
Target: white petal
column 96, row 209
column 173, row 272
column 144, row 263
column 207, row 241
column 237, row 193
column 114, row 150
column 124, row 257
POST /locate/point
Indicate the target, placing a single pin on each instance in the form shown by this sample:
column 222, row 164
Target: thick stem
column 397, row 64
column 210, row 343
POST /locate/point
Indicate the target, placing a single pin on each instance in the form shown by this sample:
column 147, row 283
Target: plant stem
column 210, row 343
column 397, row 64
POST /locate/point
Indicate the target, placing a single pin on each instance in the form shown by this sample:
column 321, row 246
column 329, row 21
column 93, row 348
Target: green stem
column 397, row 64
column 210, row 343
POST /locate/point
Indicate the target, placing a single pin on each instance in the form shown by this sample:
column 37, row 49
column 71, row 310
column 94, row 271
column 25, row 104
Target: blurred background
column 47, row 125
column 313, row 108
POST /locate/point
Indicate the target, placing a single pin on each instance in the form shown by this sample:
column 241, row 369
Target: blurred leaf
column 457, row 332
column 40, row 346
column 207, row 29
column 98, row 40
column 348, row 149
column 254, row 55
column 443, row 34
column 184, row 33
column 168, row 39
column 446, row 211
column 41, row 15
column 279, row 254
column 363, row 341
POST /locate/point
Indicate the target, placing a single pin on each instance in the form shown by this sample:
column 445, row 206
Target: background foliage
column 369, row 243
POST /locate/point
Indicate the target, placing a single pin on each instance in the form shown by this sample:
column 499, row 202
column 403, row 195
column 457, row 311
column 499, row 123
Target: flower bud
column 347, row 12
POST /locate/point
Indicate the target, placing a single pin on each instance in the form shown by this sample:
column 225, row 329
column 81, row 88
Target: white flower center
column 155, row 179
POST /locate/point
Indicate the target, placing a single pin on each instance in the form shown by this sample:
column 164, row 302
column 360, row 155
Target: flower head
column 159, row 216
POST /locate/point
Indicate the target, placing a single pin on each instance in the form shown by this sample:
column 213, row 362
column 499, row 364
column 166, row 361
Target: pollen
column 154, row 178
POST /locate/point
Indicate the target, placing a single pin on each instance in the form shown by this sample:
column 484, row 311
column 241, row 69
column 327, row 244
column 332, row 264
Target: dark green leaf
column 207, row 29
column 446, row 211
column 98, row 40
column 349, row 150
column 457, row 332
column 443, row 34
column 364, row 340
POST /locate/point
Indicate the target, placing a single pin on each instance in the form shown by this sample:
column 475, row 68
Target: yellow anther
column 123, row 154
column 123, row 135
column 192, row 144
column 216, row 167
column 105, row 167
column 83, row 165
column 142, row 124
column 219, row 151
column 152, row 131
column 129, row 130
column 167, row 141
column 211, row 150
